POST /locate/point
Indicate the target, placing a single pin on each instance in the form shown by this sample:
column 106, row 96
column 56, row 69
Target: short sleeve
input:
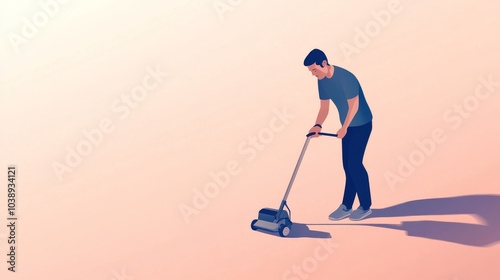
column 351, row 86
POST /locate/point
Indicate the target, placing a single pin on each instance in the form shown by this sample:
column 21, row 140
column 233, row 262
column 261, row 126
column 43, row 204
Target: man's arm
column 322, row 114
column 323, row 111
column 353, row 104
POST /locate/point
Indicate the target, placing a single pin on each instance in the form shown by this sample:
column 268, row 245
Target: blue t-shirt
column 341, row 86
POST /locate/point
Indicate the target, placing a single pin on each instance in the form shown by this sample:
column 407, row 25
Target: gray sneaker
column 340, row 213
column 360, row 214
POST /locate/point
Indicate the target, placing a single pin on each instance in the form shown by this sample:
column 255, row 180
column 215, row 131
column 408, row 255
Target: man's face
column 318, row 71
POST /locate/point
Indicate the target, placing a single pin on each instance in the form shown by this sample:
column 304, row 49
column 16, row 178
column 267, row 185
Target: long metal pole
column 296, row 168
column 299, row 161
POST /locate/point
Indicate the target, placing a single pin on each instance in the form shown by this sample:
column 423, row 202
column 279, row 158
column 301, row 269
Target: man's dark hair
column 315, row 56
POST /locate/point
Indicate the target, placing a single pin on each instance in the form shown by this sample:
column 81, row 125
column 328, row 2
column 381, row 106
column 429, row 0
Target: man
column 343, row 89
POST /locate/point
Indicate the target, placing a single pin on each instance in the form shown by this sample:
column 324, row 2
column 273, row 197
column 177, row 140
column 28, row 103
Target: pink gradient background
column 119, row 210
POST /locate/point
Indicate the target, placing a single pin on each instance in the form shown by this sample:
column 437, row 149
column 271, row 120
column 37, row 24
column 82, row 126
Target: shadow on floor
column 301, row 231
column 484, row 208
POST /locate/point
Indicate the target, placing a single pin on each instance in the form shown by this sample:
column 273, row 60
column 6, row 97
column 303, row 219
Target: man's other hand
column 342, row 132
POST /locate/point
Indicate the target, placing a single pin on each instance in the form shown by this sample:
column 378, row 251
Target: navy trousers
column 353, row 150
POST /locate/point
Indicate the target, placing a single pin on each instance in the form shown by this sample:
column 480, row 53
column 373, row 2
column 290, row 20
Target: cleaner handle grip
column 321, row 133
